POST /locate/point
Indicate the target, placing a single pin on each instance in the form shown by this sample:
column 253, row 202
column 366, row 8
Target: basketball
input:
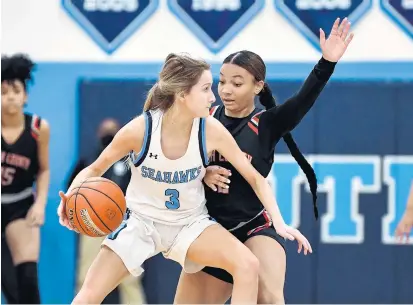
column 96, row 207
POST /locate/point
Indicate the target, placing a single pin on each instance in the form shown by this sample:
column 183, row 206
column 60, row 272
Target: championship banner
column 215, row 22
column 401, row 11
column 308, row 16
column 110, row 22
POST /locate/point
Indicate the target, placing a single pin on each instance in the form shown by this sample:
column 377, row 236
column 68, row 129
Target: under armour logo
column 151, row 155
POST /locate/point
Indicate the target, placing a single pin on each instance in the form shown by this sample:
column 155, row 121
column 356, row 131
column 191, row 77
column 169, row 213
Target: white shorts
column 137, row 239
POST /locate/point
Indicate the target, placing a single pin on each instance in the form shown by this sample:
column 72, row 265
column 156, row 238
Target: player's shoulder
column 212, row 124
column 215, row 131
column 259, row 113
column 44, row 125
column 136, row 128
column 255, row 119
column 39, row 127
column 44, row 130
column 36, row 120
column 256, row 114
column 138, row 121
column 132, row 133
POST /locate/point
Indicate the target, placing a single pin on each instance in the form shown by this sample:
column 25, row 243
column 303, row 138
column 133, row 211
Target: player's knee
column 82, row 297
column 266, row 296
column 87, row 295
column 246, row 266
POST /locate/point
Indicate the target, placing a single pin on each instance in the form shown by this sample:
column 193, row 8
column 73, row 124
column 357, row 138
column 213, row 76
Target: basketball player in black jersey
column 234, row 205
column 24, row 161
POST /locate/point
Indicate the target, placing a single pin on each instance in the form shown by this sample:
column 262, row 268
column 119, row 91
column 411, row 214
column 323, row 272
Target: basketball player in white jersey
column 165, row 197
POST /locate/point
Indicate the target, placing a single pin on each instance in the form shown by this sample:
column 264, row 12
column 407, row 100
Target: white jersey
column 163, row 190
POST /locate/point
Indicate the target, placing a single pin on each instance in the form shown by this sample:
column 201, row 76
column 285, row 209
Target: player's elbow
column 259, row 182
column 44, row 171
column 43, row 167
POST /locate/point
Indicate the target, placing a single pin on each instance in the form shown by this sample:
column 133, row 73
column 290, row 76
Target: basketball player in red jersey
column 24, row 161
column 256, row 131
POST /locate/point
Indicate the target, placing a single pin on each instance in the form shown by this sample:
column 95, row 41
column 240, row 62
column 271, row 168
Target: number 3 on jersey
column 173, row 203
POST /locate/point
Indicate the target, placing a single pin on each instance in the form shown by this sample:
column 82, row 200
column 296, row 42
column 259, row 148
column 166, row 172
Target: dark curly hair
column 17, row 67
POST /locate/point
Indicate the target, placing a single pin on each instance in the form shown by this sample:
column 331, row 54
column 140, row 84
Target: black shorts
column 261, row 225
column 14, row 211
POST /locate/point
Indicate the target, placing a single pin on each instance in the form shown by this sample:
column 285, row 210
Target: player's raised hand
column 216, row 177
column 337, row 42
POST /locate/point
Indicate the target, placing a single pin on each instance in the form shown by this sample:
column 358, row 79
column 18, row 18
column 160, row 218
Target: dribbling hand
column 61, row 212
column 291, row 233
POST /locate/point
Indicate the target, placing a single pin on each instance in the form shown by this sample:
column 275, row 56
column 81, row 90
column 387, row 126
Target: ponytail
column 267, row 100
column 305, row 166
column 149, row 102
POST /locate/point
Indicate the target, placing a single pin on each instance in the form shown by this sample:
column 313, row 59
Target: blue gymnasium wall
column 370, row 115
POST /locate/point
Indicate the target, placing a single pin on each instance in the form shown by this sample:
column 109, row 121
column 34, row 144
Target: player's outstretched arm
column 219, row 138
column 277, row 121
column 129, row 138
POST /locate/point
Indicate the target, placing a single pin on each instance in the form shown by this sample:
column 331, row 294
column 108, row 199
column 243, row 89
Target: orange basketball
column 96, row 207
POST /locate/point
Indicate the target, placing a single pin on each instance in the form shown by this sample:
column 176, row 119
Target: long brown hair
column 179, row 74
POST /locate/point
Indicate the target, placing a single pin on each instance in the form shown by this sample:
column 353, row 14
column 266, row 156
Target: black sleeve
column 277, row 121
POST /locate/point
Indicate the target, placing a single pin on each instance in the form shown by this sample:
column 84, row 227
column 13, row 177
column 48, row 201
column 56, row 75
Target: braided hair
column 254, row 64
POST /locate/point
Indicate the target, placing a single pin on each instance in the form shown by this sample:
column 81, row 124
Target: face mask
column 106, row 139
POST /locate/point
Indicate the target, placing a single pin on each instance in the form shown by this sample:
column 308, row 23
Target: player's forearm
column 277, row 121
column 296, row 107
column 42, row 186
column 266, row 196
column 84, row 174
